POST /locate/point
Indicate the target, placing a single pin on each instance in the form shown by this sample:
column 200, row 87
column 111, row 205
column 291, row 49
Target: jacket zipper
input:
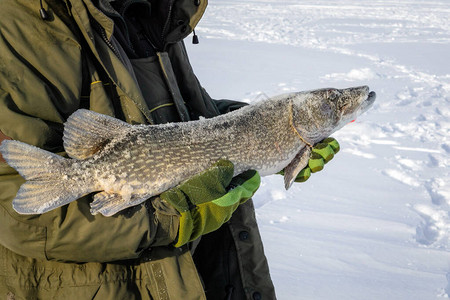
column 102, row 32
column 166, row 25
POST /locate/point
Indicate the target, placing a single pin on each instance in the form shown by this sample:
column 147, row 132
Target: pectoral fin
column 295, row 166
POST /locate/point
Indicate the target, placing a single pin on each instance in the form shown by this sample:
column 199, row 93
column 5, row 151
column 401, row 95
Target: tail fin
column 47, row 186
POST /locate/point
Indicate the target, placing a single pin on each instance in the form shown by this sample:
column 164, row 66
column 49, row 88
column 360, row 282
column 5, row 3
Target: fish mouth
column 360, row 100
column 371, row 97
column 366, row 104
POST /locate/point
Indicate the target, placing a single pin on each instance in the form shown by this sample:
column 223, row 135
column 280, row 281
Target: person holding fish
column 124, row 59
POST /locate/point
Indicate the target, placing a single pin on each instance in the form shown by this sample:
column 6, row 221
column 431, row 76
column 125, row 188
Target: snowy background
column 375, row 223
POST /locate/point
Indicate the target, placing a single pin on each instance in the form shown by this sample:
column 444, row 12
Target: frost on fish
column 126, row 164
column 49, row 183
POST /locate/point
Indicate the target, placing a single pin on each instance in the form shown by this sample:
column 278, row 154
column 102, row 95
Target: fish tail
column 47, row 186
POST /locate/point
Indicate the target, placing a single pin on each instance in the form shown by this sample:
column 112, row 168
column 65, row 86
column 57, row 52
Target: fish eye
column 325, row 108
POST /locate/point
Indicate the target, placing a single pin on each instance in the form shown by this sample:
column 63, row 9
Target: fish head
column 319, row 113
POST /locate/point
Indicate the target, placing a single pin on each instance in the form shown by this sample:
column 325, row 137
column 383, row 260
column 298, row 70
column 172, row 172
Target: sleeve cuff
column 167, row 222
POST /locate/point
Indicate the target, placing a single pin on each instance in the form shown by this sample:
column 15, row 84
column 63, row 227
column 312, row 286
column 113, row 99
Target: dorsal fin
column 86, row 132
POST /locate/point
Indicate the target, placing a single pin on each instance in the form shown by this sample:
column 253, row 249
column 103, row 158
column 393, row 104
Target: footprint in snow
column 402, row 177
column 446, row 147
column 435, row 226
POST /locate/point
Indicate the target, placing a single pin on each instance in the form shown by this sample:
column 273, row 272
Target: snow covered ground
column 375, row 224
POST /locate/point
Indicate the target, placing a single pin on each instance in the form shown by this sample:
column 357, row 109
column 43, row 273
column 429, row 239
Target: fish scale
column 127, row 164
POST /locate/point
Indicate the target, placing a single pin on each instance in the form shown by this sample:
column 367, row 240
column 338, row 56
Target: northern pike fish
column 127, row 164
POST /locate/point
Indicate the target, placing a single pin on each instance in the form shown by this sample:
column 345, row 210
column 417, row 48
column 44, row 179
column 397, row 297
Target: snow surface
column 375, row 224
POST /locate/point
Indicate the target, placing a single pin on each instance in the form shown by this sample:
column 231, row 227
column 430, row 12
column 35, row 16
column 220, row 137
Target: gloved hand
column 322, row 153
column 208, row 199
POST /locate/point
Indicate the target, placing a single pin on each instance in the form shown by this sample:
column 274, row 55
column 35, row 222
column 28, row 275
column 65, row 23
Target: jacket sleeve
column 40, row 86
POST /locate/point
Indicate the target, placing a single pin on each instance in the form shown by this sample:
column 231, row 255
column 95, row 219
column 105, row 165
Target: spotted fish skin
column 126, row 164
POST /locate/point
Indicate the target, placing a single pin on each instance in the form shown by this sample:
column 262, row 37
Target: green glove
column 208, row 199
column 322, row 153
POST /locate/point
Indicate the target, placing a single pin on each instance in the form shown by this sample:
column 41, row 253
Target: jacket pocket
column 27, row 278
column 99, row 99
column 155, row 91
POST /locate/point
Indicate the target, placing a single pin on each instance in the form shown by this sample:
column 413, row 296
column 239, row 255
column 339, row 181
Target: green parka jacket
column 50, row 68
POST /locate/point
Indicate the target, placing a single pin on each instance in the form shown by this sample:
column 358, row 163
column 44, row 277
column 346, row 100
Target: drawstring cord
column 229, row 289
column 195, row 39
column 43, row 12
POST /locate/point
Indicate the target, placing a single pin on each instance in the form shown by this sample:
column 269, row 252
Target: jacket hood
column 173, row 20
